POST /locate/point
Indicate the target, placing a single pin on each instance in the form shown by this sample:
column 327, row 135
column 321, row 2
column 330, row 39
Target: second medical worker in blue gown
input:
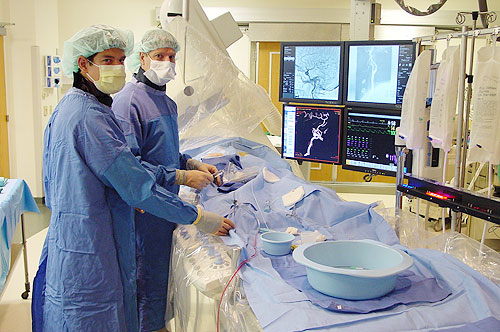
column 149, row 120
column 86, row 280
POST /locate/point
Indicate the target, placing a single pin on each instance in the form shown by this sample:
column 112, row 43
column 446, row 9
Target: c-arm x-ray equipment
column 221, row 31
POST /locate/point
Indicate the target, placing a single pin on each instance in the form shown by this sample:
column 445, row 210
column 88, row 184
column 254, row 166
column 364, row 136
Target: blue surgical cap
column 152, row 40
column 92, row 40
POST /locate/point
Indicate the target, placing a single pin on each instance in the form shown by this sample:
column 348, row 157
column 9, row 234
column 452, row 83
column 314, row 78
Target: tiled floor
column 15, row 313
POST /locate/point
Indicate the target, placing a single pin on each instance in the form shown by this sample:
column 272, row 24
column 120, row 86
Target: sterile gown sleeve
column 135, row 185
column 183, row 158
column 165, row 176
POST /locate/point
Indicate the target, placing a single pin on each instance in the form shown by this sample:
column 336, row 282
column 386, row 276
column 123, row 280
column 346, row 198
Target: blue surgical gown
column 149, row 120
column 87, row 276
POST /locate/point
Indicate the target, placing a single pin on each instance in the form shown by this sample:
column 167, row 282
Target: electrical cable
column 232, row 211
column 493, row 229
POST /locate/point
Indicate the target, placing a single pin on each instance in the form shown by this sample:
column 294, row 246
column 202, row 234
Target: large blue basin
column 352, row 269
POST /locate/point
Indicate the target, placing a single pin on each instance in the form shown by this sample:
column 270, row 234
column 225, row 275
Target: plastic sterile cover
column 215, row 100
column 213, row 96
column 415, row 234
column 201, row 267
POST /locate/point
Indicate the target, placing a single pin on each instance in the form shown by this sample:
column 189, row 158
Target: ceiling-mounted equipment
column 483, row 7
column 413, row 11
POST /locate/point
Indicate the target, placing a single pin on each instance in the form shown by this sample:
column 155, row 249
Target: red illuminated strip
column 436, row 195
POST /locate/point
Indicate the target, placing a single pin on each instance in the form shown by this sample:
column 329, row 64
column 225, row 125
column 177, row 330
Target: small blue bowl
column 277, row 243
column 352, row 269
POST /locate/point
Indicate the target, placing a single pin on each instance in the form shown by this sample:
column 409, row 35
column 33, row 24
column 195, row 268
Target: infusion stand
column 401, row 151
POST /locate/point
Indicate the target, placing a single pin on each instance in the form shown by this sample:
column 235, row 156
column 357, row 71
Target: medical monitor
column 311, row 72
column 369, row 141
column 312, row 134
column 377, row 72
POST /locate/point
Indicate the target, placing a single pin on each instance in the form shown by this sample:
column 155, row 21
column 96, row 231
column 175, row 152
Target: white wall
column 135, row 15
column 44, row 100
column 4, row 11
column 23, row 101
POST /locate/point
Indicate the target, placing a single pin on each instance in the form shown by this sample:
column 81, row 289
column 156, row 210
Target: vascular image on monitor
column 378, row 72
column 312, row 134
column 311, row 72
column 369, row 142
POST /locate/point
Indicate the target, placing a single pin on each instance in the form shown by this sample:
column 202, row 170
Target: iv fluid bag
column 413, row 128
column 444, row 101
column 485, row 128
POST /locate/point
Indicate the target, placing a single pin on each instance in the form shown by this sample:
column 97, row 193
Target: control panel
column 457, row 199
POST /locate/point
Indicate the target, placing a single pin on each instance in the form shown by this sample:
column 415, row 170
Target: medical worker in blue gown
column 149, row 120
column 86, row 280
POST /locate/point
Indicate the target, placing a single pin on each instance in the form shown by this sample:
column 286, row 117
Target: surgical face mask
column 111, row 78
column 160, row 72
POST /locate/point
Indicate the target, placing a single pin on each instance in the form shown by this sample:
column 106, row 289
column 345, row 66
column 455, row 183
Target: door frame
column 4, row 134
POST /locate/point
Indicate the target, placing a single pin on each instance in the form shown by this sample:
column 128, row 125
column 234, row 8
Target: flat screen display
column 312, row 134
column 369, row 141
column 377, row 72
column 311, row 72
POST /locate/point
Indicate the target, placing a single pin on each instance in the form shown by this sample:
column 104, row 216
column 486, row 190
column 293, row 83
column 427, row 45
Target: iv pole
column 461, row 88
column 470, row 78
column 463, row 119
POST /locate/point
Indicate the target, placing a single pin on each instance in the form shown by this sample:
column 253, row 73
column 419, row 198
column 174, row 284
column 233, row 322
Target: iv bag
column 444, row 101
column 485, row 132
column 413, row 114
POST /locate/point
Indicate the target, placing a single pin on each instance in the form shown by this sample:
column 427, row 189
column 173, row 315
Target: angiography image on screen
column 378, row 73
column 317, row 72
column 373, row 73
column 311, row 72
column 312, row 133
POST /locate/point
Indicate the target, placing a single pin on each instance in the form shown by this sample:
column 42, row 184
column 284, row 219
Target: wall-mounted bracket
column 3, row 30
